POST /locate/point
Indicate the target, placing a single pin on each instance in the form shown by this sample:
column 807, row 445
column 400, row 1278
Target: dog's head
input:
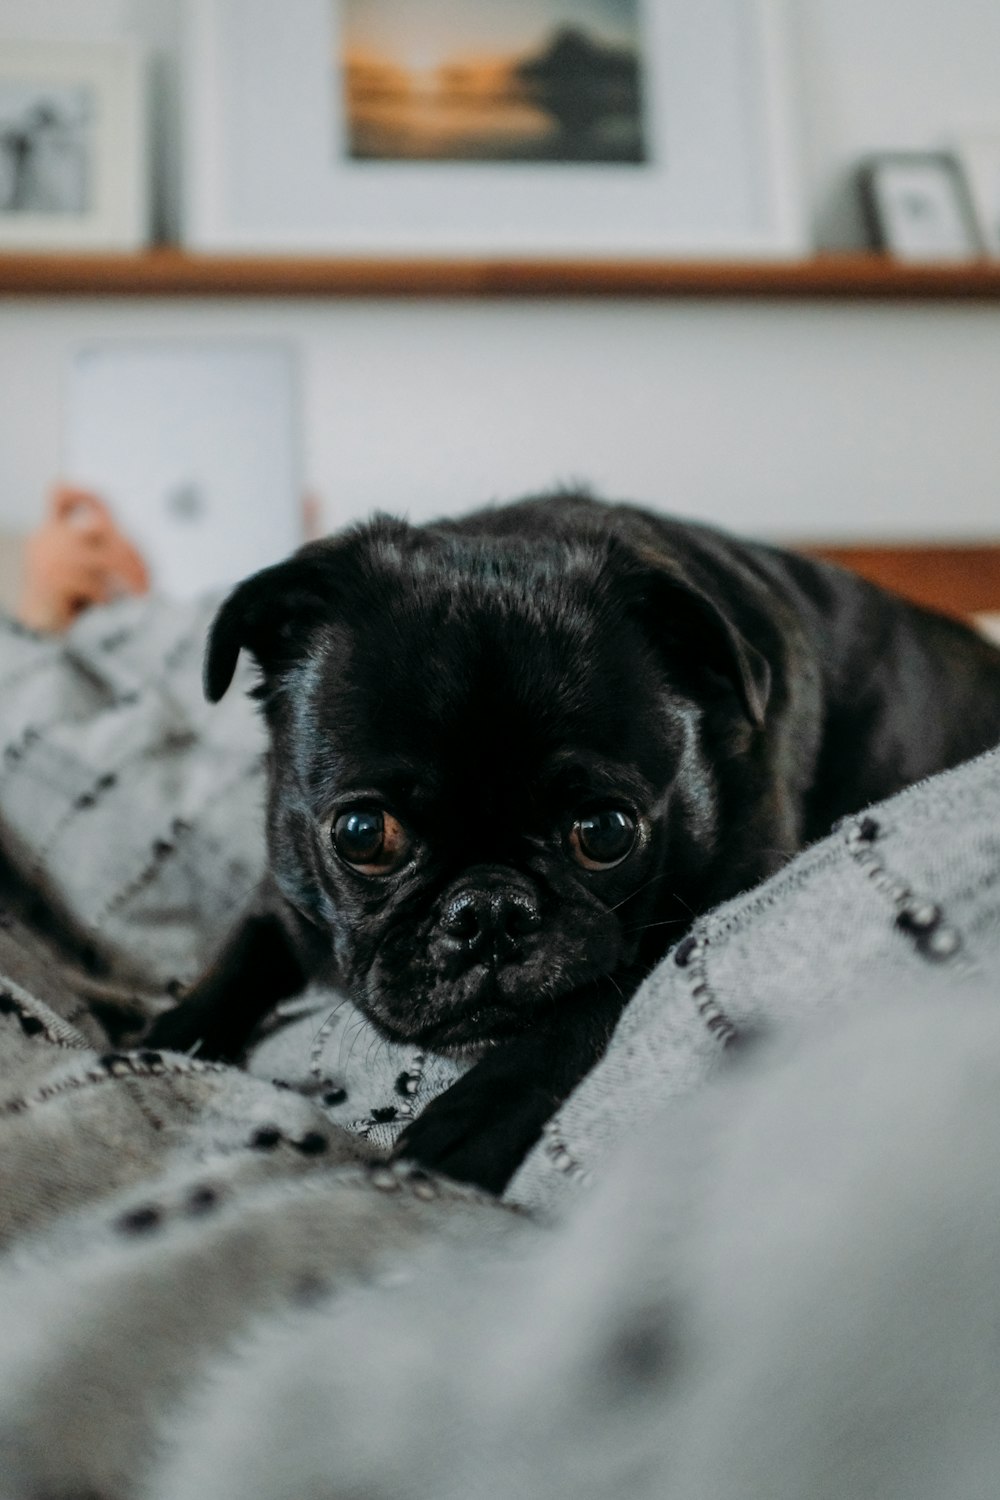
column 488, row 779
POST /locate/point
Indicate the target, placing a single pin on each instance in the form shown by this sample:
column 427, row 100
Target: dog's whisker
column 352, row 1034
column 686, row 904
column 638, row 891
column 646, row 926
column 320, row 1035
column 331, row 1015
column 375, row 1046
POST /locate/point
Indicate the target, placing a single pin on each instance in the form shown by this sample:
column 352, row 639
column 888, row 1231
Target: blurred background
column 825, row 419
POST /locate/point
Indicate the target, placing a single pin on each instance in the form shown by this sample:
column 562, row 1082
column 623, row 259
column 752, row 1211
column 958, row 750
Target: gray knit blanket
column 755, row 1254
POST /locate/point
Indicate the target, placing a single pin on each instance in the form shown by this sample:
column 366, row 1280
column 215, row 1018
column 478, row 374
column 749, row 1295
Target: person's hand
column 76, row 558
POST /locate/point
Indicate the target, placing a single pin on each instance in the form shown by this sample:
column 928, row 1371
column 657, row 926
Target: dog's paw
column 478, row 1131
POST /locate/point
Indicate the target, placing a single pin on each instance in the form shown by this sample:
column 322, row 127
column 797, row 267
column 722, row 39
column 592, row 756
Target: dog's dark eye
column 370, row 840
column 603, row 838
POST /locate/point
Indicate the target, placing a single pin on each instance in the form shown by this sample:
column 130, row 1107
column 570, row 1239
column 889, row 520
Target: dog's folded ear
column 274, row 613
column 270, row 615
column 699, row 633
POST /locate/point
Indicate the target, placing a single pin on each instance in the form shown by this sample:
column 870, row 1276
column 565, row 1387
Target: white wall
column 794, row 419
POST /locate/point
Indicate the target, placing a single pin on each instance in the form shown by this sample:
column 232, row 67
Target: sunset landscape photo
column 500, row 80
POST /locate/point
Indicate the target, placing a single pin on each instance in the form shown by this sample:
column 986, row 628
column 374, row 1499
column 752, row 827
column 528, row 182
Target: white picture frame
column 978, row 155
column 267, row 168
column 918, row 207
column 74, row 159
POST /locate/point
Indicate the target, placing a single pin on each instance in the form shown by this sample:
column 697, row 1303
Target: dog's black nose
column 491, row 913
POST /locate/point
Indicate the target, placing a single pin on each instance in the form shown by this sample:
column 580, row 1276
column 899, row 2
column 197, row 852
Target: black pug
column 514, row 755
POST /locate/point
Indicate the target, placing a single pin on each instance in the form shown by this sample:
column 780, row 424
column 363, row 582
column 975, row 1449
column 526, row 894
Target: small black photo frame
column 918, row 207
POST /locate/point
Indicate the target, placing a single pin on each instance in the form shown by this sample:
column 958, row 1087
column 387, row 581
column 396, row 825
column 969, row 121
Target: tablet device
column 196, row 449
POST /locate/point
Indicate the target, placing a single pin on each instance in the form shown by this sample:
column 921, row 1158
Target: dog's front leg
column 255, row 969
column 481, row 1129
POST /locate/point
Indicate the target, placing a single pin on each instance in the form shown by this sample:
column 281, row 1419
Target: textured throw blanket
column 754, row 1255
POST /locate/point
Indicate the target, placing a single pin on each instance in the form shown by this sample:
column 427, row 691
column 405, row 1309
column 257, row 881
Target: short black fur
column 487, row 685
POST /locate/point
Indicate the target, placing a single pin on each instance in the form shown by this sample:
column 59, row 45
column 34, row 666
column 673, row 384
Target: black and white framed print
column 73, row 146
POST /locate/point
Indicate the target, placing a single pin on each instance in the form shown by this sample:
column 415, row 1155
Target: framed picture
column 979, row 157
column 73, row 160
column 506, row 127
column 918, row 207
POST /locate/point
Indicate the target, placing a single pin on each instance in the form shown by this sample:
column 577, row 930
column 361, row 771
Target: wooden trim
column 176, row 273
column 956, row 578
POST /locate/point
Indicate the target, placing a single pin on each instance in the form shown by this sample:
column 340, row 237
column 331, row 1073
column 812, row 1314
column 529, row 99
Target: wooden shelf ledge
column 176, row 273
column 958, row 578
